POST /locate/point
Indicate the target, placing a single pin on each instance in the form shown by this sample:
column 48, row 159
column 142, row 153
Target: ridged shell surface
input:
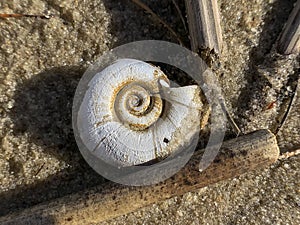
column 130, row 115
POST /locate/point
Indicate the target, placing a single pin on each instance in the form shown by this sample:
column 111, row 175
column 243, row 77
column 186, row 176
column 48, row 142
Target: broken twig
column 253, row 151
column 289, row 41
column 204, row 25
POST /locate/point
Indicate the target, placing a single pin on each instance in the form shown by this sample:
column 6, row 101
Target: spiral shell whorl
column 137, row 106
column 125, row 119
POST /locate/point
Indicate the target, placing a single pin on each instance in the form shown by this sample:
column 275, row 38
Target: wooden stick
column 204, row 25
column 206, row 34
column 253, row 151
column 289, row 41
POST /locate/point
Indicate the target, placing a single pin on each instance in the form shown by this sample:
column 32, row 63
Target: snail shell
column 130, row 115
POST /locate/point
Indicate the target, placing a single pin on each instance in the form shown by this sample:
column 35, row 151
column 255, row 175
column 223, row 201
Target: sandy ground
column 43, row 60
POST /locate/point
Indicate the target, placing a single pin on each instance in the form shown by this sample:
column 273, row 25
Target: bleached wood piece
column 237, row 156
column 204, row 25
column 289, row 42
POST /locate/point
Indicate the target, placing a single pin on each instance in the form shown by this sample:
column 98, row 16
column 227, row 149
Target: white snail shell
column 130, row 115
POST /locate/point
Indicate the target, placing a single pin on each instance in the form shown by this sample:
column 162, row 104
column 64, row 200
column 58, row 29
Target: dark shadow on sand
column 43, row 109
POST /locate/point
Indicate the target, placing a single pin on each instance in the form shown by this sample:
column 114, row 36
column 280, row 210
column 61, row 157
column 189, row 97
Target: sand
column 41, row 62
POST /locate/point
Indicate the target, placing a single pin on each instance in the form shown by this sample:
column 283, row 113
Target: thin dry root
column 160, row 20
column 17, row 15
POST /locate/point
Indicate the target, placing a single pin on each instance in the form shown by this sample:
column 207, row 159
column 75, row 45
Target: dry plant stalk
column 206, row 34
column 289, row 41
column 204, row 25
column 237, row 156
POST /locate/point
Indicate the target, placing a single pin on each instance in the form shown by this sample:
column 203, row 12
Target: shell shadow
column 43, row 112
column 142, row 26
column 43, row 108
